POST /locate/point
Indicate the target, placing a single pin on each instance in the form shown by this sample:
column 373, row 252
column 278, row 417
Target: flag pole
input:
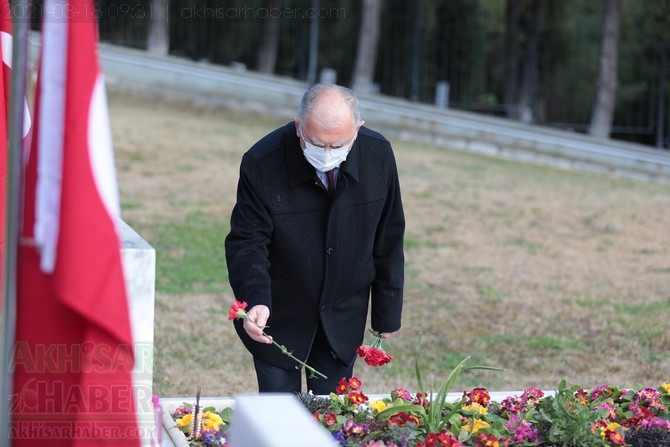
column 13, row 213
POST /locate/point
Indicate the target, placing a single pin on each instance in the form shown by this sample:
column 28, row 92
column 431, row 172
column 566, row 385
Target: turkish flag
column 73, row 356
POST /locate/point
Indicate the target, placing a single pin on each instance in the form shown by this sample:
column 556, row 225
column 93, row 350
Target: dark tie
column 331, row 182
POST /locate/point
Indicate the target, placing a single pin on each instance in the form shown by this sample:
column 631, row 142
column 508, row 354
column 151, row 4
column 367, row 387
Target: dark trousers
column 272, row 379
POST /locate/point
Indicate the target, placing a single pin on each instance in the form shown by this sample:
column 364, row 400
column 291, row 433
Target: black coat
column 309, row 257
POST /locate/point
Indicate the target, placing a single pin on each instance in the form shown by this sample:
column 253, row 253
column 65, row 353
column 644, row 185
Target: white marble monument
column 139, row 266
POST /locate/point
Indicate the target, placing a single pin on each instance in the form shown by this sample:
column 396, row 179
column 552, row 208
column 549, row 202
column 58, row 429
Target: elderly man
column 316, row 239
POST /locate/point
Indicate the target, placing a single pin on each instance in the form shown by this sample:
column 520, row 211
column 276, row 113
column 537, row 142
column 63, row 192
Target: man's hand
column 258, row 317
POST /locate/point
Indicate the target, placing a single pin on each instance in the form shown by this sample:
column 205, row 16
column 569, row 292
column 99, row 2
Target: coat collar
column 299, row 169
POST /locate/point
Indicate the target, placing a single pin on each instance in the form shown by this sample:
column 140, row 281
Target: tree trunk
column 417, row 33
column 366, row 59
column 158, row 40
column 528, row 93
column 313, row 60
column 267, row 53
column 603, row 110
column 512, row 14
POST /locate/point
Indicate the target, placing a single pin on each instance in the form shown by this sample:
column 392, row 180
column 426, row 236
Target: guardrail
column 138, row 70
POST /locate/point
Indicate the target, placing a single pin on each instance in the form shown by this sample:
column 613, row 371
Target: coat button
column 329, row 251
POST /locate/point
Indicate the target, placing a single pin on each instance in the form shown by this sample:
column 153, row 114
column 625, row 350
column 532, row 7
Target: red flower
column 358, row 398
column 421, row 399
column 480, row 396
column 342, row 386
column 374, row 355
column 377, row 357
column 237, row 310
column 402, row 418
column 442, row 439
column 330, row 419
column 615, row 437
column 355, row 383
column 485, row 440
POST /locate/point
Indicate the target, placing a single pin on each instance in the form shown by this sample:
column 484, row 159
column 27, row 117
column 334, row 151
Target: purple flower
column 602, row 390
column 656, row 422
column 650, row 398
column 512, row 405
column 340, row 438
column 401, row 393
column 210, row 437
column 610, row 408
column 522, row 430
column 531, row 395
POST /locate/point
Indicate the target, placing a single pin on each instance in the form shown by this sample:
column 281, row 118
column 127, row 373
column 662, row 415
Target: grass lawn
column 548, row 274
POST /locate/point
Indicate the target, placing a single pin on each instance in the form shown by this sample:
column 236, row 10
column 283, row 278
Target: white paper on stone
column 275, row 420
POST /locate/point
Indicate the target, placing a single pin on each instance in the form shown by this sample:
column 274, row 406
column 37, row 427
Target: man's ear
column 297, row 126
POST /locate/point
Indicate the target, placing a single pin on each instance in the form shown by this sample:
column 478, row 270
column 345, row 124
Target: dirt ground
column 545, row 273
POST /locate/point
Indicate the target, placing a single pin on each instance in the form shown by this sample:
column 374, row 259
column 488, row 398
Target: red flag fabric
column 73, row 356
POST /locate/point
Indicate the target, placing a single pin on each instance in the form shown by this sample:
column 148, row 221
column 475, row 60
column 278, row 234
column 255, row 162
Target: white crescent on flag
column 102, row 159
column 51, row 123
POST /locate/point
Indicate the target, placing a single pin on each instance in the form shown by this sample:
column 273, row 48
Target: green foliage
column 566, row 421
column 436, row 418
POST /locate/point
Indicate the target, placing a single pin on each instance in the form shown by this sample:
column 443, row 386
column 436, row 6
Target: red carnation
column 374, row 355
column 237, row 310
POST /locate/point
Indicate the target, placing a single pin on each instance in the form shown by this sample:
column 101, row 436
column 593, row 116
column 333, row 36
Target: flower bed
column 569, row 416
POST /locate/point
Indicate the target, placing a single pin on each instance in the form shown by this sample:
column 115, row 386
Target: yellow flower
column 378, row 406
column 666, row 388
column 479, row 424
column 475, row 408
column 184, row 421
column 611, row 427
column 211, row 421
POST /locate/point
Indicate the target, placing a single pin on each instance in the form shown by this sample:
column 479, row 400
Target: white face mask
column 324, row 160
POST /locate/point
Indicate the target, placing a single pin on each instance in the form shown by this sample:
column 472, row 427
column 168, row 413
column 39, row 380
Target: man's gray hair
column 314, row 92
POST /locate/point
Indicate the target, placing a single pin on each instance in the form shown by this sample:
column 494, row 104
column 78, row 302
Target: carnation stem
column 313, row 372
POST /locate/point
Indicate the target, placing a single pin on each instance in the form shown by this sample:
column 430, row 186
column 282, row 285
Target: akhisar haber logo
column 60, row 397
column 73, row 358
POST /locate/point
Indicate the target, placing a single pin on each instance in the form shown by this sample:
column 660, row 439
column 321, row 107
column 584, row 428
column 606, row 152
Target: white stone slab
column 275, row 420
column 139, row 267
